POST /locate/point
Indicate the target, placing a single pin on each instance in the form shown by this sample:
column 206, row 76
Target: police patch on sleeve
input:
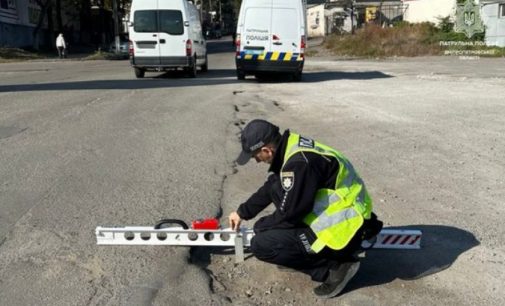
column 306, row 142
column 287, row 180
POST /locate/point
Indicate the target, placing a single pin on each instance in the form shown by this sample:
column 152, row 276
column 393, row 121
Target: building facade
column 90, row 25
column 18, row 18
column 493, row 17
column 428, row 10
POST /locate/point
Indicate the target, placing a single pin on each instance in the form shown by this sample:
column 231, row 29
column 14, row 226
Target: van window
column 171, row 22
column 145, row 21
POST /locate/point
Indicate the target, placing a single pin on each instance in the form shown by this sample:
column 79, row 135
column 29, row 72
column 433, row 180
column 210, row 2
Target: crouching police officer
column 323, row 211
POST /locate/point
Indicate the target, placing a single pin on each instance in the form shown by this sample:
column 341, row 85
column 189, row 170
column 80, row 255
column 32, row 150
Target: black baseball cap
column 255, row 135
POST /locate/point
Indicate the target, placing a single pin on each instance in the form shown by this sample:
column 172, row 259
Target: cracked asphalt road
column 85, row 144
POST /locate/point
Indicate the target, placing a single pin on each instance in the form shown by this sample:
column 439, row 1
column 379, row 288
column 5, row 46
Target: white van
column 271, row 37
column 166, row 34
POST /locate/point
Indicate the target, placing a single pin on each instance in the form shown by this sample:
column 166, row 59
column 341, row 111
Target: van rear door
column 255, row 37
column 171, row 35
column 145, row 35
column 286, row 33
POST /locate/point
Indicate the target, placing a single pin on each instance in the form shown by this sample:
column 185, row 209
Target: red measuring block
column 207, row 224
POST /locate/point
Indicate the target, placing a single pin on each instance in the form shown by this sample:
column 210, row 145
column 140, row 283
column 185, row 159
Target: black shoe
column 338, row 278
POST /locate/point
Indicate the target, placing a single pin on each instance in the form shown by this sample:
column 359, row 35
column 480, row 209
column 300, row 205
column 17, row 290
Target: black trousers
column 291, row 248
column 61, row 52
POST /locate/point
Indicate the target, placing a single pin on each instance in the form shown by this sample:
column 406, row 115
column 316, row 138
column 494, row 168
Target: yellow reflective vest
column 338, row 213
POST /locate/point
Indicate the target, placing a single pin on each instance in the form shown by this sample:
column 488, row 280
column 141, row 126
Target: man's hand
column 234, row 220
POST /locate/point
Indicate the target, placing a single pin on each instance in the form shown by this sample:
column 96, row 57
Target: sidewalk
column 73, row 54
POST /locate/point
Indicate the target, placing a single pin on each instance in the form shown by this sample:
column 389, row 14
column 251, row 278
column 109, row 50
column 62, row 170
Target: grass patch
column 498, row 52
column 404, row 39
column 101, row 55
column 16, row 54
column 311, row 52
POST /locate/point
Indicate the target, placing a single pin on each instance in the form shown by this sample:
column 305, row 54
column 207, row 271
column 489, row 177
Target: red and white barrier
column 398, row 239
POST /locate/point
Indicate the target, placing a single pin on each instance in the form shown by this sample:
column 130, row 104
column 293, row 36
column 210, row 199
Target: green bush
column 403, row 39
column 446, row 32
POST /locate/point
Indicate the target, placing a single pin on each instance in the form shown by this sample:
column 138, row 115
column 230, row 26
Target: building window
column 501, row 11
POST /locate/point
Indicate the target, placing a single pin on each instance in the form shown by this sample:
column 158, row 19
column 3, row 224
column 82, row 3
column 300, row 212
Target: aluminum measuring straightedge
column 165, row 233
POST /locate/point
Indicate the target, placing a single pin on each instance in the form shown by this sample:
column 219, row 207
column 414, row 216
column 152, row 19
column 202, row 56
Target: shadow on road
column 178, row 79
column 441, row 246
column 211, row 74
column 314, row 77
column 322, row 76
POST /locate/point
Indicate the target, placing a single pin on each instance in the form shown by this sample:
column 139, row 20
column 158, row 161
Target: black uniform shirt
column 308, row 172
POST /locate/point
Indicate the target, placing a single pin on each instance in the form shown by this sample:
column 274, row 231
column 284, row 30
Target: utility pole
column 210, row 9
column 116, row 25
column 220, row 16
column 201, row 11
column 353, row 3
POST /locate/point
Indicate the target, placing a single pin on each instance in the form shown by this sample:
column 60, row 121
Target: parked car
column 123, row 45
column 214, row 34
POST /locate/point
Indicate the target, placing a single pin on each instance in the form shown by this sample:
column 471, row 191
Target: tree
column 59, row 23
column 46, row 10
column 44, row 6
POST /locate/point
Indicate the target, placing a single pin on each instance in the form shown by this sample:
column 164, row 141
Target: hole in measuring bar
column 192, row 236
column 129, row 236
column 161, row 236
column 208, row 236
column 224, row 236
column 145, row 236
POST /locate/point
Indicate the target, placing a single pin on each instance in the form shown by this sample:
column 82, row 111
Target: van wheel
column 297, row 76
column 139, row 73
column 240, row 74
column 205, row 67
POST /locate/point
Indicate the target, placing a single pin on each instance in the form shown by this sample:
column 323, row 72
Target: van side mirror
column 186, row 23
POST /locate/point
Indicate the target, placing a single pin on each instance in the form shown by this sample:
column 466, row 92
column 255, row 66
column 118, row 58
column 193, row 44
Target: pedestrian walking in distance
column 323, row 210
column 61, row 46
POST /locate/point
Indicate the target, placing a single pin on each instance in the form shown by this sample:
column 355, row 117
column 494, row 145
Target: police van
column 166, row 35
column 271, row 37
